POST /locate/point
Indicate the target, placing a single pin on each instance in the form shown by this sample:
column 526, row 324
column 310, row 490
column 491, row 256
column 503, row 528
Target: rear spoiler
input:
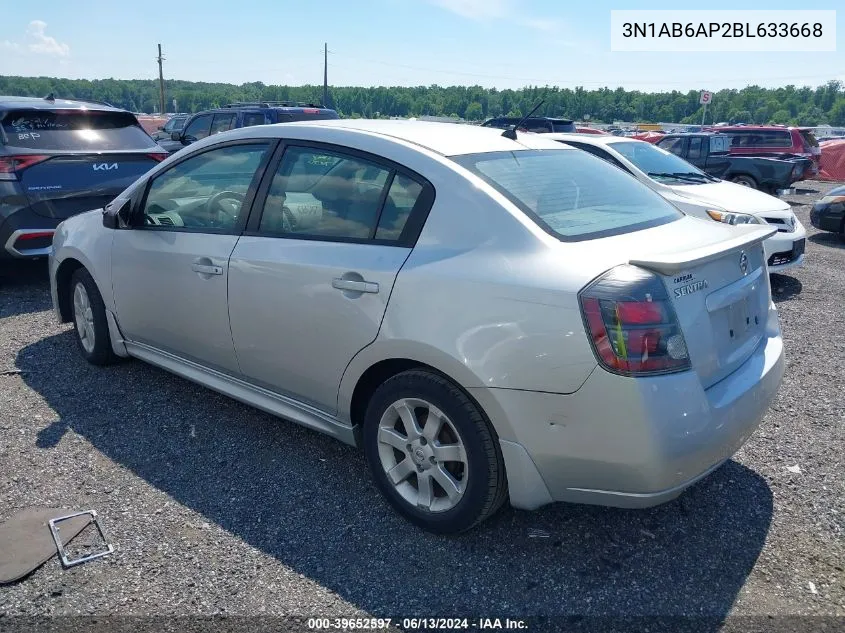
column 672, row 263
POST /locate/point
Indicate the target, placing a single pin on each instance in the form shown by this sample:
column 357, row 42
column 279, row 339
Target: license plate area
column 743, row 319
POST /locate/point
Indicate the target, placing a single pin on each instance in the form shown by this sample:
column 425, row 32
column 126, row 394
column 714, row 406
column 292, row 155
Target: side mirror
column 175, row 136
column 117, row 216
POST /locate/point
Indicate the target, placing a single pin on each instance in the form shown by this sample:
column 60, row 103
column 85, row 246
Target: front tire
column 432, row 453
column 89, row 319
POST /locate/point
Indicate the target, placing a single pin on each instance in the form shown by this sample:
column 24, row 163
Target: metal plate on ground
column 26, row 542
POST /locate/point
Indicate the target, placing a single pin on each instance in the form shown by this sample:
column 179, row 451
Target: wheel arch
column 383, row 359
column 64, row 274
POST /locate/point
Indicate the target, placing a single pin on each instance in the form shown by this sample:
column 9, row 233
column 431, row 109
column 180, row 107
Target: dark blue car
column 242, row 114
column 59, row 158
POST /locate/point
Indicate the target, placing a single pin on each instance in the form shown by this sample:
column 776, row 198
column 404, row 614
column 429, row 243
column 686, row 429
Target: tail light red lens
column 157, row 157
column 632, row 324
column 12, row 165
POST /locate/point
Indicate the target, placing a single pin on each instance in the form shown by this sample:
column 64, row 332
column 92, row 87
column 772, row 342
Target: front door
column 310, row 281
column 170, row 274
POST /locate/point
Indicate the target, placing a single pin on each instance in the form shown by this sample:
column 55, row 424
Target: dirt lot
column 215, row 508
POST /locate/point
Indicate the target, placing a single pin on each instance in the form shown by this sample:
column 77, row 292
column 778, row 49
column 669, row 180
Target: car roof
column 447, row 139
column 591, row 139
column 40, row 103
column 531, row 118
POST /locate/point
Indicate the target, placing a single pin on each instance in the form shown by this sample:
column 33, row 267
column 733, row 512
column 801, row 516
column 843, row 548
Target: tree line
column 753, row 104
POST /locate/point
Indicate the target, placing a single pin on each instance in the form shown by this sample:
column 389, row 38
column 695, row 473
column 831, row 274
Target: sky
column 492, row 43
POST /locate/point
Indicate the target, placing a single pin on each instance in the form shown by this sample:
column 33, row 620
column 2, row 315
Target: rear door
column 310, row 279
column 170, row 273
column 78, row 159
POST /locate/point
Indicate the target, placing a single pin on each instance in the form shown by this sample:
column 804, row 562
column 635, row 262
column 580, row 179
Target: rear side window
column 809, row 138
column 75, row 130
column 761, row 138
column 572, row 195
column 674, row 145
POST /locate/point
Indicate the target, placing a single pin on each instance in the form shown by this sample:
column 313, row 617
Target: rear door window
column 572, row 195
column 254, row 118
column 75, row 130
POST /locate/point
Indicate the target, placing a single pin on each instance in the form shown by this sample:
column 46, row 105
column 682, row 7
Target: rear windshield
column 75, row 130
column 564, row 127
column 572, row 195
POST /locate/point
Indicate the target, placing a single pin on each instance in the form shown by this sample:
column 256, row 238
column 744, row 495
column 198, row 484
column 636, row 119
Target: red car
column 776, row 140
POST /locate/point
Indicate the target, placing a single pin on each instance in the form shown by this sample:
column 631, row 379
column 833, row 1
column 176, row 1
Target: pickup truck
column 710, row 152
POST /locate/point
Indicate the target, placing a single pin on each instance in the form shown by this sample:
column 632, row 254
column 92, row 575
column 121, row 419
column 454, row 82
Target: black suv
column 532, row 124
column 235, row 115
column 62, row 157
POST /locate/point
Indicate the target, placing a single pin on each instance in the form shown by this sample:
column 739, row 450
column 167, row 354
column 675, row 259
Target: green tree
column 837, row 113
column 474, row 112
column 781, row 116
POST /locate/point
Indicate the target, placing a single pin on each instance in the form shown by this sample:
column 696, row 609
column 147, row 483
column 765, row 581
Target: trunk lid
column 716, row 279
column 62, row 186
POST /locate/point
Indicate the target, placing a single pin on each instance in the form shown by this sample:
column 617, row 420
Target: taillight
column 10, row 166
column 632, row 324
column 157, row 157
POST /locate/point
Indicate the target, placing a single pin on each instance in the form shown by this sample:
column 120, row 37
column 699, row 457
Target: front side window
column 694, row 148
column 573, row 195
column 205, row 192
column 321, row 193
column 674, row 145
column 198, row 128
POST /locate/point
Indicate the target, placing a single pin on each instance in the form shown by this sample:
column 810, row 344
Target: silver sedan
column 490, row 318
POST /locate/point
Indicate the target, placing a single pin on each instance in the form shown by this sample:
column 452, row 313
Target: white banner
column 722, row 31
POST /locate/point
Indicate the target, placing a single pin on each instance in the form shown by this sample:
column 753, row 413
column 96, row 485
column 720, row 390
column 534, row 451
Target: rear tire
column 745, row 181
column 432, row 453
column 89, row 319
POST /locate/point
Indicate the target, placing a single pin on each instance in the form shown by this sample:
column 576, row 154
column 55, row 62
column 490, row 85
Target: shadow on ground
column 308, row 501
column 784, row 287
column 17, row 281
column 828, row 239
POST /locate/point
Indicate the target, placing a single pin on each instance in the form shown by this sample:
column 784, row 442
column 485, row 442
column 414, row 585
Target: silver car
column 489, row 319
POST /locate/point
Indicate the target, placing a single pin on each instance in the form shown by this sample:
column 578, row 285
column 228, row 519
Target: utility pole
column 161, row 81
column 325, row 75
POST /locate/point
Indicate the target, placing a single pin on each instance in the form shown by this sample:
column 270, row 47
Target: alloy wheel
column 423, row 455
column 83, row 317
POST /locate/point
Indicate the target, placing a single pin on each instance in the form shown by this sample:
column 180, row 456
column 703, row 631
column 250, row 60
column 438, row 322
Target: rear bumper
column 634, row 442
column 22, row 235
column 786, row 250
column 826, row 219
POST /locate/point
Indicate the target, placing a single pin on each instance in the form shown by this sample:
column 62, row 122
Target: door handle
column 353, row 285
column 207, row 269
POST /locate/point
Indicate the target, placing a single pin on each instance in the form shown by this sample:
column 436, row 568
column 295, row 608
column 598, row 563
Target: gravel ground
column 216, row 508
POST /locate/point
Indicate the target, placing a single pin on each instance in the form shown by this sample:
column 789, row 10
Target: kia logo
column 104, row 166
